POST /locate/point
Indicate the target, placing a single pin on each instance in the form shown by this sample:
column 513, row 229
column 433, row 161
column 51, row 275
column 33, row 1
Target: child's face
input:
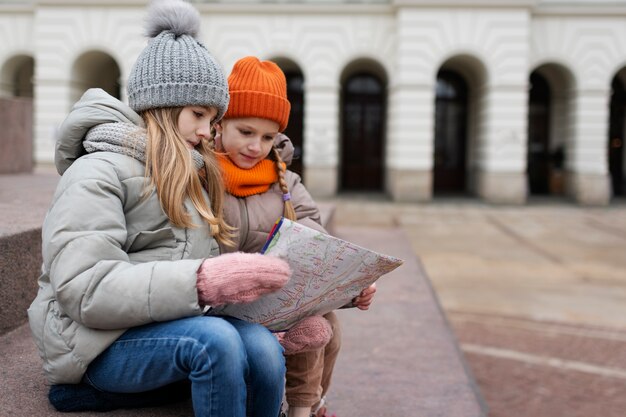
column 194, row 124
column 247, row 141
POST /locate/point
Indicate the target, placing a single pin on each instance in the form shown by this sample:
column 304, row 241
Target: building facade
column 501, row 99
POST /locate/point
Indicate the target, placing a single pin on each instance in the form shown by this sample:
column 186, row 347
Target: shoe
column 321, row 409
column 84, row 397
column 321, row 412
column 284, row 407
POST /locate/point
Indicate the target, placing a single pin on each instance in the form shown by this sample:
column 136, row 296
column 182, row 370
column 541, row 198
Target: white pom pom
column 176, row 16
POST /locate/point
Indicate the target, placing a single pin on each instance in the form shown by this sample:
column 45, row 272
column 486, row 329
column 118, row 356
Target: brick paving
column 536, row 296
column 535, row 369
column 515, row 389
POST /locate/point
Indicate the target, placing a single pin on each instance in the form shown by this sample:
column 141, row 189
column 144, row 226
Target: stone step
column 400, row 358
column 24, row 199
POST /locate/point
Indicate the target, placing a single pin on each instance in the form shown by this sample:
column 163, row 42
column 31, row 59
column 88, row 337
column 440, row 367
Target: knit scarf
column 126, row 139
column 246, row 182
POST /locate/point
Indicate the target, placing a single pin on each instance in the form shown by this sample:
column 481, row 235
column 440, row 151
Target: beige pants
column 309, row 373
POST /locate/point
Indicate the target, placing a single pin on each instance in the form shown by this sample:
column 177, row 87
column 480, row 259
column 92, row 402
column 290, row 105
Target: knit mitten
column 310, row 333
column 239, row 278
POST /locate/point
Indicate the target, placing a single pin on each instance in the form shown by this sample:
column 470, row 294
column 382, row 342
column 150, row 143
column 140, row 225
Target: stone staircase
column 398, row 359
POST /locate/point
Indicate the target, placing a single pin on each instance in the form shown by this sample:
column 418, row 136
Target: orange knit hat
column 258, row 89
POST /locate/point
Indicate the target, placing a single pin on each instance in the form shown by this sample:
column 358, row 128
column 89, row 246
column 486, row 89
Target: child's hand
column 365, row 298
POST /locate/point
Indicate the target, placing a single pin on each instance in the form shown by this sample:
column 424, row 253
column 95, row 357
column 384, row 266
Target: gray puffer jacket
column 253, row 217
column 111, row 258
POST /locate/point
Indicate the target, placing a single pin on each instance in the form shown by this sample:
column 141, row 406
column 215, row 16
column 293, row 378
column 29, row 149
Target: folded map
column 327, row 273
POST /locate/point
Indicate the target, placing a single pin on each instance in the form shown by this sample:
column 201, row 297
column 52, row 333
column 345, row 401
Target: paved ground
column 535, row 294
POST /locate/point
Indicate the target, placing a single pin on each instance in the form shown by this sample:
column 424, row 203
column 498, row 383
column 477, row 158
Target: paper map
column 327, row 273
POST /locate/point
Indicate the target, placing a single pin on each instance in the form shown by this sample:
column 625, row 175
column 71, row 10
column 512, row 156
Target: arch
column 620, row 75
column 16, row 77
column 559, row 76
column 295, row 95
column 95, row 69
column 617, row 134
column 364, row 65
column 459, row 117
column 550, row 118
column 558, row 71
column 469, row 65
column 362, row 126
column 353, row 62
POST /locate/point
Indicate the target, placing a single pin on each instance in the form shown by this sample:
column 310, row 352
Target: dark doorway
column 538, row 155
column 450, row 133
column 23, row 84
column 95, row 69
column 16, row 77
column 295, row 95
column 362, row 133
column 616, row 137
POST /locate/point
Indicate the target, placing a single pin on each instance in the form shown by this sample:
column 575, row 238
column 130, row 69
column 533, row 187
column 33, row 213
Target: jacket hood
column 284, row 145
column 94, row 108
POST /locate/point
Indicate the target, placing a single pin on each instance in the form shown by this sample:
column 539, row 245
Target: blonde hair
column 171, row 170
column 289, row 212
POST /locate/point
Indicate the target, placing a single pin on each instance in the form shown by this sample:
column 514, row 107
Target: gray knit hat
column 175, row 69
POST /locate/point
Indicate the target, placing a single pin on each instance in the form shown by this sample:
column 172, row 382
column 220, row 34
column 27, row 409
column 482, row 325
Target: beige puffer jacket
column 254, row 216
column 111, row 258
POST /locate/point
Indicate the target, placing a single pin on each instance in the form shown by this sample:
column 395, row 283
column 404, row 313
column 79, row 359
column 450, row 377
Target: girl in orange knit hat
column 254, row 156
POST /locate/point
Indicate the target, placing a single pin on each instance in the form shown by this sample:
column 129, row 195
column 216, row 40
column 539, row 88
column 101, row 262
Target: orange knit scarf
column 246, row 182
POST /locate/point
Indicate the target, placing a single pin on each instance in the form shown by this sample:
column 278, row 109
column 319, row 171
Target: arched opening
column 363, row 112
column 295, row 127
column 617, row 134
column 16, row 115
column 459, row 120
column 95, row 69
column 538, row 153
column 549, row 129
column 17, row 77
column 450, row 133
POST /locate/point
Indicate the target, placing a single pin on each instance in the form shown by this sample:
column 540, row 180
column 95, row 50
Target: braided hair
column 281, row 168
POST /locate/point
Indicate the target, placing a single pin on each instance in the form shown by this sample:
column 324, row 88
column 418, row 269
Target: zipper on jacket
column 243, row 212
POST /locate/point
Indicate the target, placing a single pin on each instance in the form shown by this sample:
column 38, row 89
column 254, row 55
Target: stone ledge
column 24, row 199
column 20, row 263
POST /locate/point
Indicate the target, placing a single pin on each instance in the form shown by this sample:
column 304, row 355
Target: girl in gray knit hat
column 119, row 318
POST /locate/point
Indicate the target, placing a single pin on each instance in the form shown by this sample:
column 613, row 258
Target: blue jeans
column 235, row 368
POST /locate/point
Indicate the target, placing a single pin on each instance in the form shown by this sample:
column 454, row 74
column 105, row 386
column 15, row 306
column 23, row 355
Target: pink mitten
column 310, row 333
column 240, row 278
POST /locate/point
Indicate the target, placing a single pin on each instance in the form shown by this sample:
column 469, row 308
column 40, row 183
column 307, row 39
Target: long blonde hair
column 171, row 170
